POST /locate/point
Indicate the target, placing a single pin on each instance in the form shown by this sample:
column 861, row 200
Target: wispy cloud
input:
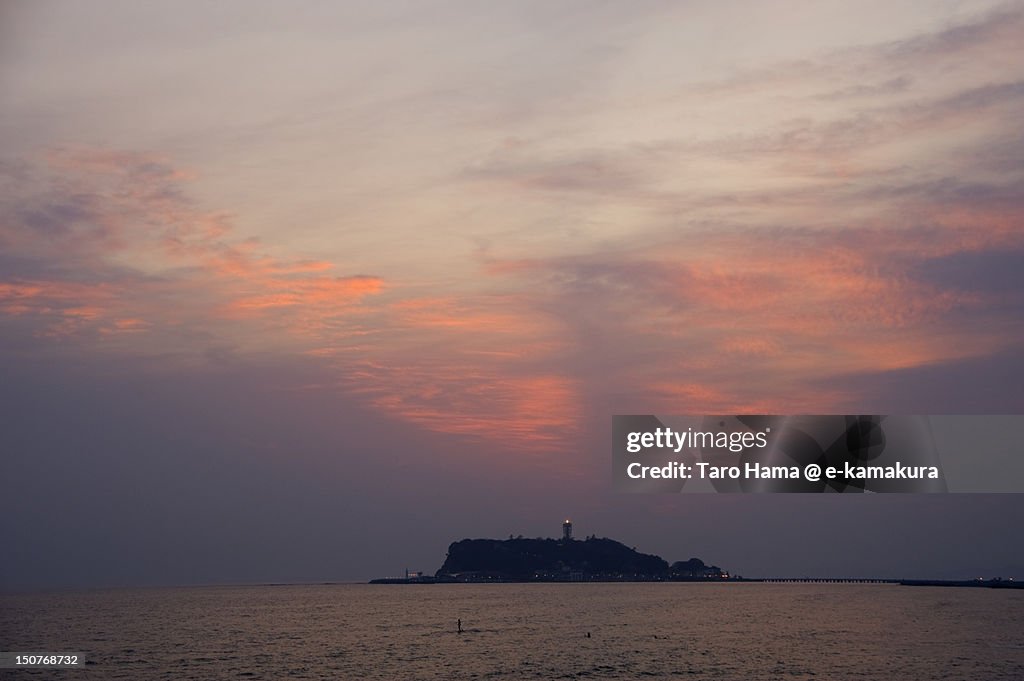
column 500, row 248
column 109, row 242
column 112, row 244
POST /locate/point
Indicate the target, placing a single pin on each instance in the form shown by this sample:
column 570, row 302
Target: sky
column 307, row 291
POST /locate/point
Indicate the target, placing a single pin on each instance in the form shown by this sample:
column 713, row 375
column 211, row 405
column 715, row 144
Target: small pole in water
column 459, row 623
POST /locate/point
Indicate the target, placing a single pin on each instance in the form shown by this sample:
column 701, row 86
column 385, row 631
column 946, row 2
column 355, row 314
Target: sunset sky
column 306, row 290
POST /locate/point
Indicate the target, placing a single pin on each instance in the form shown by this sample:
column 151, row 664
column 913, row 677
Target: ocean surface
column 525, row 631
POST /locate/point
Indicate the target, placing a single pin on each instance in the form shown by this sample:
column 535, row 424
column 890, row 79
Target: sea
column 665, row 630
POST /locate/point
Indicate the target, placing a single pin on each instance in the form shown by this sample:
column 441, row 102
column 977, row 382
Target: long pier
column 823, row 580
column 982, row 583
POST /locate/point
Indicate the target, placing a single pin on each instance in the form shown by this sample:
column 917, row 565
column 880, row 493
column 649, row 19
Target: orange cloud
column 491, row 403
column 316, row 293
column 135, row 210
column 459, row 364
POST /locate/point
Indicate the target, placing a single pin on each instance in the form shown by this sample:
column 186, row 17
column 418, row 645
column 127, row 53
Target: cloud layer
column 853, row 211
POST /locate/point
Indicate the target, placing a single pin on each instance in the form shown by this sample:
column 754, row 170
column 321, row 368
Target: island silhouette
column 594, row 559
column 600, row 559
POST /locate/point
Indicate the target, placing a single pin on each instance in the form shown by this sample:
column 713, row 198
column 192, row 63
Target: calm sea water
column 525, row 631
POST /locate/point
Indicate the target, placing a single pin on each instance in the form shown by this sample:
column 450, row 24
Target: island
column 594, row 559
column 599, row 559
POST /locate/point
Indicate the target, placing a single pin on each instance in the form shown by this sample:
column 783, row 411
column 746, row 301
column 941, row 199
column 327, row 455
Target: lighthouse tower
column 567, row 530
